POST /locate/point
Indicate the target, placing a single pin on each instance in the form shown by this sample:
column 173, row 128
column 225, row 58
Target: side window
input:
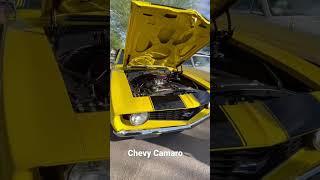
column 243, row 5
column 120, row 55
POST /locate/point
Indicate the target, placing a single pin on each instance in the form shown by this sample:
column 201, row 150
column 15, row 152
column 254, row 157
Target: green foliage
column 115, row 40
column 120, row 10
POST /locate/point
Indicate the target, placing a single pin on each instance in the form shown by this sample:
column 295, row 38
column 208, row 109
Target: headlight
column 316, row 140
column 138, row 119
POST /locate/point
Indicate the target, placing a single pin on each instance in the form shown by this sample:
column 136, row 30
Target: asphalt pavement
column 193, row 164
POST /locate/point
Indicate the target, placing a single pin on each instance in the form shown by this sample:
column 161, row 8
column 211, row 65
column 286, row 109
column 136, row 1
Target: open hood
column 218, row 7
column 163, row 36
column 73, row 7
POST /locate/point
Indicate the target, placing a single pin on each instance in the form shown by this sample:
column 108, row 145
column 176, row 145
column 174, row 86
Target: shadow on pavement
column 189, row 145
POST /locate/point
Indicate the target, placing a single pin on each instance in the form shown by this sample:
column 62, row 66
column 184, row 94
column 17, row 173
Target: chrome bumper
column 157, row 132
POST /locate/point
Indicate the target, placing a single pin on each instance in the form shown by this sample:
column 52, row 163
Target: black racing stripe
column 202, row 96
column 167, row 102
column 298, row 114
column 223, row 134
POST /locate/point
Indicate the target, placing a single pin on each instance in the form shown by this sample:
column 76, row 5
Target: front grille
column 250, row 163
column 179, row 114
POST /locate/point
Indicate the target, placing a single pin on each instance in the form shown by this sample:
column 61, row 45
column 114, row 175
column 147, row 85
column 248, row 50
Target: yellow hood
column 162, row 35
column 73, row 7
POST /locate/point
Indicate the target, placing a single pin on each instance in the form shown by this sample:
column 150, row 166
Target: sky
column 203, row 6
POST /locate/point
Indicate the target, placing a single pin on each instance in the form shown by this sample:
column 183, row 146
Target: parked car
column 199, row 61
column 150, row 93
column 266, row 107
column 292, row 25
column 295, row 15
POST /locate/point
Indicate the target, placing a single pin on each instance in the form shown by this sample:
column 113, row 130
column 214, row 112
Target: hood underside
column 164, row 36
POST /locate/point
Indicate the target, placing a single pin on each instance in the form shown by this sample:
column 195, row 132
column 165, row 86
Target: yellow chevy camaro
column 266, row 107
column 150, row 92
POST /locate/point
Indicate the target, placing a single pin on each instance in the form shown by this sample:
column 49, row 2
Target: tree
column 120, row 10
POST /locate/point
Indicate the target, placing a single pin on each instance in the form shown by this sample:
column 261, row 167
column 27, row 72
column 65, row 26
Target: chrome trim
column 310, row 174
column 156, row 132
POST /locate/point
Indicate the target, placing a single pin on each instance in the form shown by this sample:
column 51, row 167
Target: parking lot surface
column 193, row 164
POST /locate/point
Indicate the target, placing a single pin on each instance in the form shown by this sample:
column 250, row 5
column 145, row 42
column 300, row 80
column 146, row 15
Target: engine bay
column 82, row 57
column 160, row 82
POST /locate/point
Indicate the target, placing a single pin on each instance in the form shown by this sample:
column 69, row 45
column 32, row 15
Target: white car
column 296, row 15
column 199, row 61
column 290, row 25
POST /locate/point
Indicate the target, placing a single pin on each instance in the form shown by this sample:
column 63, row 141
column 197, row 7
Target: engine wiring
column 84, row 87
column 159, row 83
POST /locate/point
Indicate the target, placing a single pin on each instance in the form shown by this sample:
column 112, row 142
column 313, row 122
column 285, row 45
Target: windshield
column 295, row 7
column 201, row 61
column 188, row 63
